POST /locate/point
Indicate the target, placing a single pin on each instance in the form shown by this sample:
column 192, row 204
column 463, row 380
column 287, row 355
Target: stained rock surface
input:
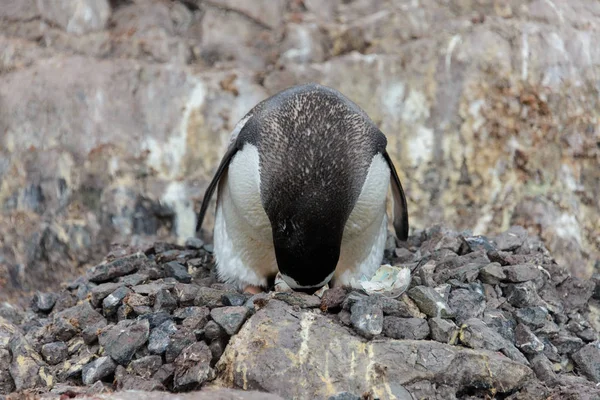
column 128, row 328
column 490, row 109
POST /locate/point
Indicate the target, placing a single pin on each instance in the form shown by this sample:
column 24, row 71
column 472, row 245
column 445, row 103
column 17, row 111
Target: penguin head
column 307, row 248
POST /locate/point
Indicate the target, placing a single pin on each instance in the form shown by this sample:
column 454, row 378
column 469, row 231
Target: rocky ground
column 483, row 318
column 113, row 114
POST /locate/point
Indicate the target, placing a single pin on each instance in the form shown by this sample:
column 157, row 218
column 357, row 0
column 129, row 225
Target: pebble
column 522, row 295
column 213, row 331
column 534, row 317
column 521, row 273
column 99, row 292
column 566, row 343
column 177, row 342
column 160, row 337
column 345, row 396
column 97, row 370
column 477, row 335
column 298, row 299
column 492, row 273
column 111, row 303
column 443, row 330
column 177, row 271
column 208, row 297
column 366, row 317
column 332, row 299
column 124, row 339
column 165, row 300
column 55, row 352
column 165, row 373
column 157, row 318
column 526, row 341
column 405, row 328
column 145, row 367
column 430, row 302
column 466, row 304
column 234, row 299
column 587, row 360
column 230, row 319
column 117, row 268
column 192, row 367
column 194, row 243
column 44, row 302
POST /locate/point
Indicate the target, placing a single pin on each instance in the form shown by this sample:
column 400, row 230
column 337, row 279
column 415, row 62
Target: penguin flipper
column 400, row 207
column 231, row 151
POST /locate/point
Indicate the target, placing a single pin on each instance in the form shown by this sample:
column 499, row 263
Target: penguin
column 302, row 191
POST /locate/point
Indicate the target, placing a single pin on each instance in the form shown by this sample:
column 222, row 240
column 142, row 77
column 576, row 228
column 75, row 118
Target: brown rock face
column 113, row 115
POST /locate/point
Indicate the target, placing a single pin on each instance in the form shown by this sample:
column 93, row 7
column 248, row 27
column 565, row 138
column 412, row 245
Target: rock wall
column 114, row 114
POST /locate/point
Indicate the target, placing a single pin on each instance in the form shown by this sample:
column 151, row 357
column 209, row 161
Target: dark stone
column 152, row 288
column 301, row 300
column 134, row 279
column 522, row 273
column 396, row 308
column 177, row 271
column 97, row 370
column 156, row 319
column 146, row 367
column 213, row 331
column 465, row 273
column 466, row 304
column 522, row 295
column 477, row 335
column 403, row 255
column 443, row 330
column 140, row 304
column 71, row 321
column 165, row 374
column 165, row 300
column 430, row 302
column 177, row 342
column 194, row 243
column 492, row 273
column 534, row 317
column 44, row 302
column 230, row 319
column 217, row 347
column 502, row 322
column 123, row 340
column 477, row 257
column 587, row 360
column 405, row 328
column 98, row 293
column 55, row 353
column 192, row 367
column 111, row 303
column 575, row 293
column 366, row 316
column 512, row 239
column 193, row 317
column 90, row 333
column 234, row 299
column 132, row 382
column 526, row 341
column 566, row 344
column 114, row 269
column 160, row 337
column 26, row 364
column 479, row 243
column 208, row 297
column 543, row 370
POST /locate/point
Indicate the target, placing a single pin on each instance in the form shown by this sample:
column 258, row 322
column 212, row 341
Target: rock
column 165, row 300
column 522, row 295
column 160, row 337
column 209, row 393
column 114, row 269
column 98, row 370
column 265, row 12
column 177, row 271
column 55, row 352
column 345, row 396
column 76, row 16
column 165, row 373
column 512, row 239
column 177, row 342
column 124, row 339
column 234, row 299
column 587, row 360
column 430, row 302
column 90, row 333
column 299, row 299
column 213, row 331
column 192, row 367
column 526, row 341
column 155, row 319
column 208, row 297
column 476, row 334
column 399, row 308
column 194, row 243
column 332, row 299
column 186, row 293
column 366, row 317
column 230, row 318
column 443, row 330
column 111, row 303
column 405, row 328
column 26, row 368
column 492, row 273
column 575, row 293
column 146, row 367
column 543, row 370
column 502, row 322
column 278, row 344
column 193, row 317
column 534, row 317
column 44, row 302
column 521, row 273
column 566, row 343
column 69, row 322
column 466, row 304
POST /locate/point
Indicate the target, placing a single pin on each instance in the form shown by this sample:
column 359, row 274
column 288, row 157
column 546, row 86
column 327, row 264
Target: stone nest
column 483, row 318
